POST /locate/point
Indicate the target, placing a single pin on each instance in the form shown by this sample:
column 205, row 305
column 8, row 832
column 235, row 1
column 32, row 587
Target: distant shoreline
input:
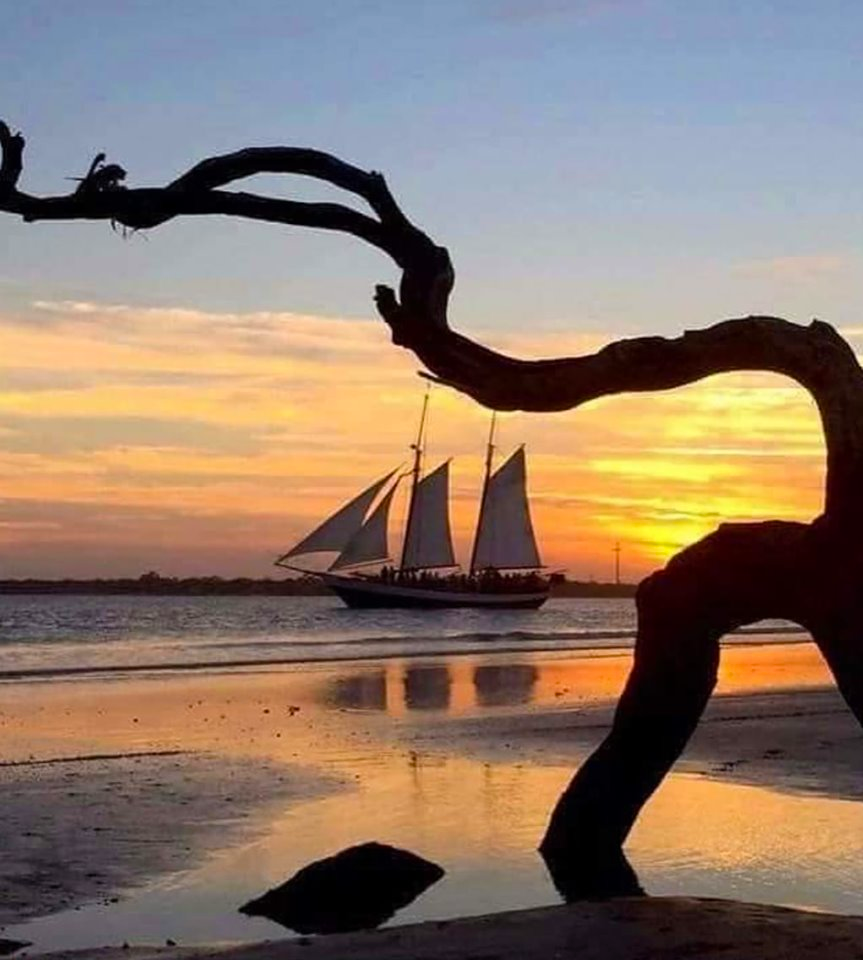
column 154, row 585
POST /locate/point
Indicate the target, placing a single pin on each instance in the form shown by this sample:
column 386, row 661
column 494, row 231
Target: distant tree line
column 153, row 584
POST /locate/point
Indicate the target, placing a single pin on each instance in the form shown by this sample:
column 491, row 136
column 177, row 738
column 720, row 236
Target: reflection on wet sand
column 359, row 691
column 477, row 808
column 466, row 684
column 452, row 688
column 504, row 684
column 427, row 687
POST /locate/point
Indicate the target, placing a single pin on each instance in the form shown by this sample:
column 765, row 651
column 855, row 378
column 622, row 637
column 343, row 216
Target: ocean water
column 55, row 636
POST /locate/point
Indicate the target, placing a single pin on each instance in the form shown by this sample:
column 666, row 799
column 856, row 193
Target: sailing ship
column 505, row 565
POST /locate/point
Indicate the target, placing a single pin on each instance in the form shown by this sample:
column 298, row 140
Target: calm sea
column 56, row 636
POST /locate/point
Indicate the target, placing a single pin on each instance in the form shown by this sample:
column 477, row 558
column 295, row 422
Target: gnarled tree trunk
column 809, row 573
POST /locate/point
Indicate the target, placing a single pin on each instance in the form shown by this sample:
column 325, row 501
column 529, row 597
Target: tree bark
column 812, row 574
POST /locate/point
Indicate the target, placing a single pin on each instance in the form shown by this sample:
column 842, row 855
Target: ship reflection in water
column 464, row 685
column 457, row 687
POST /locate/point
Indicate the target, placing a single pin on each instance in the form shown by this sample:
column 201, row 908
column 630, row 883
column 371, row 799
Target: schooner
column 505, row 565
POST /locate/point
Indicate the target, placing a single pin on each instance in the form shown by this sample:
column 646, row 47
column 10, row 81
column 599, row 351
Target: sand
column 88, row 828
column 799, row 740
column 647, row 929
column 108, row 784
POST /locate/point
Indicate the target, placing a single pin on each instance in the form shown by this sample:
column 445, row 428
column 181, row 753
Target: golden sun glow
column 200, row 443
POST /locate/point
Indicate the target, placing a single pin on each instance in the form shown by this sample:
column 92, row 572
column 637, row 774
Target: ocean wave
column 513, row 642
column 549, row 639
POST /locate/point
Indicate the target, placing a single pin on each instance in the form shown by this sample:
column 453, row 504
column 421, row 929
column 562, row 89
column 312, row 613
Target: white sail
column 369, row 543
column 337, row 530
column 504, row 536
column 428, row 541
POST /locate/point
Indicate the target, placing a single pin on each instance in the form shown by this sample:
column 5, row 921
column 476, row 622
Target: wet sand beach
column 156, row 805
column 87, row 827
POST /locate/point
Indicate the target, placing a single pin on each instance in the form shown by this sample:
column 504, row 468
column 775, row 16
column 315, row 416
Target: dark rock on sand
column 8, row 947
column 357, row 889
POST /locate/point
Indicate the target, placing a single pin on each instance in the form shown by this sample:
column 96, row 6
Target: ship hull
column 367, row 594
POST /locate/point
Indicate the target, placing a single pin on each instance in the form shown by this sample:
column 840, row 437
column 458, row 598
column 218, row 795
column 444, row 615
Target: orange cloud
column 198, row 442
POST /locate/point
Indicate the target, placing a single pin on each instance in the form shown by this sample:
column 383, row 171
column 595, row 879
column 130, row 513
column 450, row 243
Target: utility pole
column 617, row 563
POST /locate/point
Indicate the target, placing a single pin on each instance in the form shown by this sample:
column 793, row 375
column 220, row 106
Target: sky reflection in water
column 481, row 820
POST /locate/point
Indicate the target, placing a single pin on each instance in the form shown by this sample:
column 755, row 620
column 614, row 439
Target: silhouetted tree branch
column 815, row 355
column 743, row 572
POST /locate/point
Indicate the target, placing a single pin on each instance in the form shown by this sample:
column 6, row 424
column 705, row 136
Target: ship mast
column 415, row 473
column 489, row 456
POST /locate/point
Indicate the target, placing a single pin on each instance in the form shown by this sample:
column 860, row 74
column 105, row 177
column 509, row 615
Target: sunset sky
column 193, row 399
